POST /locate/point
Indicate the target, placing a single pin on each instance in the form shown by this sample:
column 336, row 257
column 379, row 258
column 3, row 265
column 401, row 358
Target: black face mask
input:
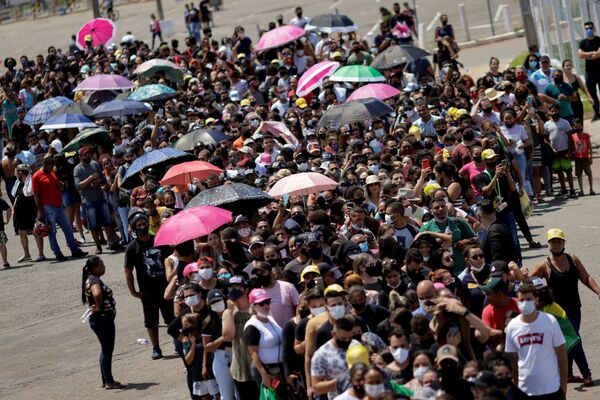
column 360, row 391
column 274, row 262
column 310, row 284
column 304, row 312
column 487, row 110
column 477, row 158
column 558, row 81
column 264, row 280
column 503, row 383
column 428, row 145
column 300, row 218
column 142, row 231
column 342, row 344
column 315, row 253
column 374, row 270
column 555, row 117
column 492, row 164
column 468, row 136
column 359, row 307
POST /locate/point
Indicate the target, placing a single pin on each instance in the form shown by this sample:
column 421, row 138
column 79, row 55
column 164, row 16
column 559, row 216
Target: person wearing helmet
column 563, row 272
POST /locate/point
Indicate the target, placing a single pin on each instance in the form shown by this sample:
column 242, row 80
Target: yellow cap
column 301, row 103
column 241, row 55
column 357, row 354
column 415, row 131
column 460, row 112
column 245, row 102
column 487, row 154
column 555, row 233
column 337, row 54
column 209, row 120
column 334, row 289
column 309, row 269
column 88, row 38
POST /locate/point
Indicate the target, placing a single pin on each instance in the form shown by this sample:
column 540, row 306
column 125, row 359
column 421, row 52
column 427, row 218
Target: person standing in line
column 588, row 50
column 155, row 29
column 99, row 298
column 25, row 212
column 48, row 199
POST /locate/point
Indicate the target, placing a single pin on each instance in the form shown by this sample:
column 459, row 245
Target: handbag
column 526, row 206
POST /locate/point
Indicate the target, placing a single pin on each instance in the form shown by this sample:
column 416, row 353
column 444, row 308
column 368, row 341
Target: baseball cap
column 485, row 379
column 544, row 58
column 311, row 237
column 234, row 95
column 488, row 154
column 215, row 295
column 245, row 102
column 301, row 103
column 357, row 354
column 309, row 269
column 494, row 284
column 555, row 233
column 190, row 269
column 255, row 241
column 258, row 296
column 238, row 280
column 240, row 219
column 84, row 150
column 498, row 268
column 334, row 290
column 446, row 352
column 539, row 282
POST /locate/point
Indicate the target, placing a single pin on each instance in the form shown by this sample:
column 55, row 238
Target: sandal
column 114, row 385
column 24, row 258
column 40, row 259
column 535, row 245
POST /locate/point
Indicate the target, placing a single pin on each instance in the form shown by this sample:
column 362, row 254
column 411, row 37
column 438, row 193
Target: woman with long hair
column 101, row 303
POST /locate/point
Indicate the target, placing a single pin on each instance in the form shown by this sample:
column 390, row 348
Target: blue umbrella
column 116, row 108
column 152, row 92
column 157, row 159
column 43, row 110
column 65, row 121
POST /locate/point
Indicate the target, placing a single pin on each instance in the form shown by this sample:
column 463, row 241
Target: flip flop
column 114, row 385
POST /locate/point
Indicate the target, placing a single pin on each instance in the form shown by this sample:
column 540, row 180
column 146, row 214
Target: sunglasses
column 264, row 303
column 447, row 258
column 476, row 256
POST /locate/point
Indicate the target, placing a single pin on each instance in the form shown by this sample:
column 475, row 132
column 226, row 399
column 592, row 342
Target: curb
column 491, row 39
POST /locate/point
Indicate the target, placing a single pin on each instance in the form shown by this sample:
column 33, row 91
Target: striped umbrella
column 152, row 92
column 312, row 77
column 357, row 73
column 43, row 110
column 88, row 137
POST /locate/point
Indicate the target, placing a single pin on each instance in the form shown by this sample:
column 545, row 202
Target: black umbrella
column 355, row 111
column 332, row 23
column 74, row 108
column 394, row 56
column 98, row 97
column 205, row 136
column 158, row 159
column 236, row 197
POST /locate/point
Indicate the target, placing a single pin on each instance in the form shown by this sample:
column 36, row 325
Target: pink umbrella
column 105, row 82
column 278, row 129
column 312, row 77
column 190, row 224
column 102, row 31
column 278, row 37
column 379, row 91
column 184, row 173
column 302, row 184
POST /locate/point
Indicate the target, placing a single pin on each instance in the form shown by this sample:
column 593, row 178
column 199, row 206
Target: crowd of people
column 405, row 281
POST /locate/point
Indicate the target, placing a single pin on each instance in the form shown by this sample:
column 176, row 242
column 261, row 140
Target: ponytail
column 84, row 276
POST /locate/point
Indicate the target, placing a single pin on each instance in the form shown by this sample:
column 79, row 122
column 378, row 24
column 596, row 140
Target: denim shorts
column 97, row 211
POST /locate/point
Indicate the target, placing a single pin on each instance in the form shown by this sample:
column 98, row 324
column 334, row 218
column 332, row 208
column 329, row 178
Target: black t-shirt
column 483, row 179
column 148, row 262
column 212, row 326
column 591, row 66
column 373, row 315
column 301, row 329
column 3, row 207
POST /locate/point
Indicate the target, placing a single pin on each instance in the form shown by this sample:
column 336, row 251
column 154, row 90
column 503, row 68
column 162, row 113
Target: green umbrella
column 357, row 73
column 152, row 92
column 88, row 137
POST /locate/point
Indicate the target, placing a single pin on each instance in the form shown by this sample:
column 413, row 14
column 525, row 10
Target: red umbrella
column 101, row 31
column 182, row 174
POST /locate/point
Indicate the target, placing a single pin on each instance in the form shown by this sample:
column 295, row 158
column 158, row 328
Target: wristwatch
column 467, row 312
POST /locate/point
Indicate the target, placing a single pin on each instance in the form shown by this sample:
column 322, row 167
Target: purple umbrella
column 104, row 82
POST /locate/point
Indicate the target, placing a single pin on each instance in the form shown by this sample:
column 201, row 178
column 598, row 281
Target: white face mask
column 218, row 307
column 422, row 304
column 302, row 167
column 317, row 310
column 419, row 373
column 388, row 219
column 475, row 268
column 192, row 301
column 426, row 258
column 254, row 123
column 408, row 211
column 379, row 132
column 147, row 149
column 400, row 355
column 262, row 315
column 205, row 273
column 527, row 307
column 337, row 312
column 374, row 390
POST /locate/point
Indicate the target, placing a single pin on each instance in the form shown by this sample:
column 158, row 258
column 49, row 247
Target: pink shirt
column 284, row 299
column 472, row 171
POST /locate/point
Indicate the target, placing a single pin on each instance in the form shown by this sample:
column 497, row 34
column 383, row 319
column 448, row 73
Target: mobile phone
column 160, row 112
column 319, row 283
column 438, row 149
column 425, row 163
column 286, row 200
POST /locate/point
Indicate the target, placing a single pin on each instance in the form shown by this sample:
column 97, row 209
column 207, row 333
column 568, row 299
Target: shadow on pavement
column 139, row 386
column 18, row 266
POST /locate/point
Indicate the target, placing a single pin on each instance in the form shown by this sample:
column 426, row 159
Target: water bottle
column 142, row 341
column 86, row 315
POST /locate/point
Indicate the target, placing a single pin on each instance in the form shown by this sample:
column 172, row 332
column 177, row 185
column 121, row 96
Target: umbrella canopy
column 332, row 23
column 394, row 56
column 102, row 31
column 115, row 108
column 355, row 111
column 302, row 184
column 105, row 82
column 74, row 108
column 357, row 73
column 182, row 174
column 65, row 121
column 87, row 137
column 278, row 129
column 98, row 97
column 152, row 93
column 43, row 110
column 190, row 224
column 238, row 197
column 205, row 136
column 312, row 77
column 154, row 66
column 157, row 159
column 278, row 37
column 379, row 91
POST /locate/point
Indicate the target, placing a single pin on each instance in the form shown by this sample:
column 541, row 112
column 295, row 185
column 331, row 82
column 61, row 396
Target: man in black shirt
column 148, row 262
column 588, row 50
column 497, row 244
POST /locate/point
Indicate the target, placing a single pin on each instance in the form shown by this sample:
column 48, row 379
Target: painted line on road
column 335, row 4
column 433, row 21
column 373, row 29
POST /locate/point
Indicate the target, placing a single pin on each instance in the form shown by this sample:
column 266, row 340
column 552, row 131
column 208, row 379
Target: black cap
column 214, row 295
column 485, row 379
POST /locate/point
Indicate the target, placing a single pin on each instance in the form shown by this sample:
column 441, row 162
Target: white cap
column 56, row 145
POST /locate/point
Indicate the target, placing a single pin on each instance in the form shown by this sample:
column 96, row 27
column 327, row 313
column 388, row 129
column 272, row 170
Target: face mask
column 300, row 53
column 408, row 212
column 441, row 220
column 374, row 390
column 364, row 247
column 317, row 310
column 449, row 148
column 426, row 258
column 422, row 304
column 469, row 136
column 556, row 116
column 487, row 110
column 241, row 35
column 245, row 232
column 533, row 64
column 374, row 271
column 558, row 81
column 300, row 218
column 142, row 231
column 527, row 307
column 503, row 382
column 342, row 344
column 477, row 158
column 147, row 149
column 379, row 132
column 254, row 123
column 428, row 145
column 264, row 280
column 589, row 32
column 262, row 315
column 360, row 391
column 374, row 168
column 471, row 379
column 400, row 355
column 315, row 253
column 419, row 373
column 477, row 269
column 218, row 306
column 205, row 274
column 283, row 96
column 388, row 219
column 192, row 301
column 304, row 312
column 359, row 307
column 337, row 312
column 302, row 167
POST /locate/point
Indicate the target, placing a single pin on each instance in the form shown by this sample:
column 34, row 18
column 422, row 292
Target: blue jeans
column 104, row 328
column 122, row 213
column 97, row 211
column 577, row 352
column 54, row 216
column 220, row 367
column 508, row 219
column 522, row 161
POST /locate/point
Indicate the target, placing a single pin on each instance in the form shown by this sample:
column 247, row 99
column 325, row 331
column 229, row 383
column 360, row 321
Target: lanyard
column 497, row 187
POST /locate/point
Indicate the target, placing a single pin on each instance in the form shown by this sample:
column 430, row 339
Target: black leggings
column 104, row 328
column 247, row 390
column 592, row 81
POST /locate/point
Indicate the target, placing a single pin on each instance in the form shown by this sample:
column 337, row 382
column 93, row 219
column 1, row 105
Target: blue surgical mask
column 364, row 247
column 533, row 64
column 589, row 32
column 374, row 168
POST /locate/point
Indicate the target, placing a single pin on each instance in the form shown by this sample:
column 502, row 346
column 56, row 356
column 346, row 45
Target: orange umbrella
column 184, row 173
